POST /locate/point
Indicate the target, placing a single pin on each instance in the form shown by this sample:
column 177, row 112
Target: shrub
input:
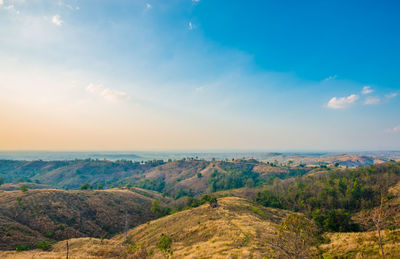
column 44, row 245
column 164, row 244
column 48, row 234
column 23, row 188
column 22, row 248
column 86, row 186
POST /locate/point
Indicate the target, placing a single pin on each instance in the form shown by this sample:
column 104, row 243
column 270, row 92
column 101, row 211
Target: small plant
column 44, row 245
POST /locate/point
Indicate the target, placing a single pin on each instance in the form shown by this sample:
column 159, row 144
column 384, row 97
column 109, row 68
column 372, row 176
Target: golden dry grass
column 235, row 229
column 362, row 245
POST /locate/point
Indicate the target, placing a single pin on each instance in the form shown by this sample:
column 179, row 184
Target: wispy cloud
column 191, row 27
column 372, row 101
column 195, row 1
column 148, row 6
column 343, row 102
column 393, row 130
column 330, row 78
column 107, row 93
column 367, row 90
column 1, row 2
column 56, row 19
column 391, row 95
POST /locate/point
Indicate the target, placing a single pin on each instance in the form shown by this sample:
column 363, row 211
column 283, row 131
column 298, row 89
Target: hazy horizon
column 199, row 75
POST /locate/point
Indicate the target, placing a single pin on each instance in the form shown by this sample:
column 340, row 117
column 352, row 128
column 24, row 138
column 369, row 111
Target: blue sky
column 199, row 75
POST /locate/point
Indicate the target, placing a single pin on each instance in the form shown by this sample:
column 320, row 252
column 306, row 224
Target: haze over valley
column 199, row 129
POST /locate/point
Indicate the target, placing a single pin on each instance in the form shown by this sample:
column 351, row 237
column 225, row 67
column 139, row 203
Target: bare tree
column 296, row 237
column 126, row 226
column 379, row 216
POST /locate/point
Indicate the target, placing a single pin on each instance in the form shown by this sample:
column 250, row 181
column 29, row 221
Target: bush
column 86, row 186
column 44, row 245
column 48, row 234
column 22, row 248
column 164, row 244
column 23, row 188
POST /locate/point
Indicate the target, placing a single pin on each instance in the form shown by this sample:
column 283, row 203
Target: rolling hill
column 37, row 215
column 235, row 229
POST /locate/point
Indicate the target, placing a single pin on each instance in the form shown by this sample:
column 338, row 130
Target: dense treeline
column 233, row 179
column 330, row 197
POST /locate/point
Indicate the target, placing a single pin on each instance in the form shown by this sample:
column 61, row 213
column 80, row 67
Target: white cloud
column 372, row 100
column 195, row 1
column 10, row 7
column 56, row 19
column 393, row 130
column 343, row 102
column 191, row 26
column 366, row 90
column 107, row 93
column 148, row 6
column 391, row 95
column 331, row 78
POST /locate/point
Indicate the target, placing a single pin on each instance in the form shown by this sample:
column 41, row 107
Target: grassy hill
column 36, row 215
column 236, row 229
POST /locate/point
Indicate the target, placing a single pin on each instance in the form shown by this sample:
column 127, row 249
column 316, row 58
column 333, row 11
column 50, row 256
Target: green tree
column 156, row 207
column 24, row 188
column 1, row 180
column 85, row 186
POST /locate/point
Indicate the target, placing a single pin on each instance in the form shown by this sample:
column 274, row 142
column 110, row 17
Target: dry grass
column 235, row 229
column 362, row 245
column 25, row 218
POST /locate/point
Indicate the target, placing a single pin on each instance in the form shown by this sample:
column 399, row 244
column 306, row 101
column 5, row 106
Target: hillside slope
column 236, row 228
column 29, row 217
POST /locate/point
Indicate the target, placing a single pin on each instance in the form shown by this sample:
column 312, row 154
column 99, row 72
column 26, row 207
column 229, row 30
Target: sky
column 199, row 75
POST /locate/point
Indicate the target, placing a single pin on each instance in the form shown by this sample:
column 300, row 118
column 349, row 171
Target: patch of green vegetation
column 331, row 197
column 21, row 248
column 164, row 244
column 48, row 234
column 23, row 188
column 257, row 211
column 44, row 245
